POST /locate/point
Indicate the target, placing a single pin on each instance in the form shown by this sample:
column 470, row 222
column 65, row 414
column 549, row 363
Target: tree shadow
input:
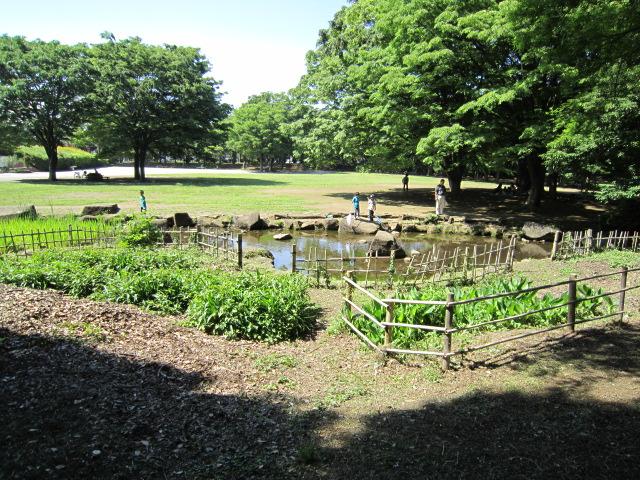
column 70, row 410
column 226, row 180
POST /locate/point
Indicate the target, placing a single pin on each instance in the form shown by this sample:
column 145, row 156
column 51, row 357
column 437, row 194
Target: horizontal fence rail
column 437, row 265
column 572, row 244
column 448, row 331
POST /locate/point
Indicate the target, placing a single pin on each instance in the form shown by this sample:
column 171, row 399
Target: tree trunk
column 261, row 163
column 536, row 170
column 552, row 181
column 524, row 179
column 139, row 157
column 52, row 154
column 454, row 176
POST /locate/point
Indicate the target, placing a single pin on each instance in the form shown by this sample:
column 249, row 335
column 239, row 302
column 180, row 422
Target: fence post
column 448, row 322
column 240, row 251
column 349, row 294
column 554, row 249
column 294, row 254
column 71, row 235
column 388, row 330
column 623, row 285
column 571, row 310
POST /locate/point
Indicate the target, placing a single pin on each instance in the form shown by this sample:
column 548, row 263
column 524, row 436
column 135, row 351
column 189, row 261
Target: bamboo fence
column 572, row 244
column 437, row 265
column 449, row 329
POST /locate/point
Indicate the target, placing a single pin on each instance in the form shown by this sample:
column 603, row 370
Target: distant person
column 371, row 206
column 498, row 189
column 356, row 205
column 439, row 194
column 405, row 182
column 143, row 202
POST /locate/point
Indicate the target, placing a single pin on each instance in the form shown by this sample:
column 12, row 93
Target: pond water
column 349, row 245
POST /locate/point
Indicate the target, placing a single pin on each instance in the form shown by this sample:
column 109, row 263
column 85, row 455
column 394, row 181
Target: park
column 423, row 260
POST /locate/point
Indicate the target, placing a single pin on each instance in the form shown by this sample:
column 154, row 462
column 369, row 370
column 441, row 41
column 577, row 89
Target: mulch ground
column 103, row 390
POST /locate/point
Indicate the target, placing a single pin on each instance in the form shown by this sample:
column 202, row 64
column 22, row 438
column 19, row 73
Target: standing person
column 143, row 202
column 371, row 206
column 405, row 182
column 439, row 195
column 356, row 204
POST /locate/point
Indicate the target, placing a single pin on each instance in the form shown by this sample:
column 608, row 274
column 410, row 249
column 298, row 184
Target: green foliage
column 260, row 306
column 345, row 388
column 614, row 258
column 478, row 312
column 36, row 157
column 264, row 306
column 139, row 232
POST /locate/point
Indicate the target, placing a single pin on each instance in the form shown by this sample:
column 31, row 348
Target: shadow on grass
column 72, row 411
column 226, row 180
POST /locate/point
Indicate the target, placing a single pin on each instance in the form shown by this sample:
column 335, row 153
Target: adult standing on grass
column 439, row 194
column 143, row 202
column 371, row 206
column 356, row 204
column 405, row 182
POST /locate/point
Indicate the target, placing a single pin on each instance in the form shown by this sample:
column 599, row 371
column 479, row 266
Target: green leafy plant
column 139, row 232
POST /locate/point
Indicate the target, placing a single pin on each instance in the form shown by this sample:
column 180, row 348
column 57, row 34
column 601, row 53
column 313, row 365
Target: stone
column 383, row 243
column 161, row 223
column 395, row 226
column 308, row 225
column 292, row 224
column 395, row 234
column 88, row 218
column 358, row 226
column 538, row 231
column 10, row 212
column 182, row 220
column 251, row 221
column 414, row 253
column 409, row 227
column 166, row 238
column 100, row 209
column 330, row 224
column 214, row 221
column 282, row 236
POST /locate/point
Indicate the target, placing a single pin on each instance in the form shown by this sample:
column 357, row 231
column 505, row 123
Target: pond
column 348, row 245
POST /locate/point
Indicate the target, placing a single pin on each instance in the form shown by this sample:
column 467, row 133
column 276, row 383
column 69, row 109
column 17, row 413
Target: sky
column 253, row 46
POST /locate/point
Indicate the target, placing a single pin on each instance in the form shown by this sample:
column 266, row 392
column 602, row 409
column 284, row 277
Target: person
column 371, row 206
column 356, row 205
column 405, row 182
column 439, row 195
column 143, row 202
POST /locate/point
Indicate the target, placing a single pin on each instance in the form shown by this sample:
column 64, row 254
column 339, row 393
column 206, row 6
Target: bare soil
column 100, row 390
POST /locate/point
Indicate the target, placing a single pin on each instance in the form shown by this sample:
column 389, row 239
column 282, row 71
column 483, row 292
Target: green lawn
column 226, row 193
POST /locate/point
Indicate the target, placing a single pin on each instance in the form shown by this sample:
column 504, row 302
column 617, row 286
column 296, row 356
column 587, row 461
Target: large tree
column 43, row 89
column 151, row 98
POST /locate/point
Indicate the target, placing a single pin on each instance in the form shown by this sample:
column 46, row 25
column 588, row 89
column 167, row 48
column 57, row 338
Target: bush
column 36, row 157
column 270, row 307
column 139, row 232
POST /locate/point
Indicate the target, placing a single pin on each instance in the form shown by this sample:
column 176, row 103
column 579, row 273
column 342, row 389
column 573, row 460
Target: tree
column 258, row 129
column 153, row 99
column 43, row 91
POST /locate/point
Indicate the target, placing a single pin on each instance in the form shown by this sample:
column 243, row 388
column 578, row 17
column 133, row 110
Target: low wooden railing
column 571, row 244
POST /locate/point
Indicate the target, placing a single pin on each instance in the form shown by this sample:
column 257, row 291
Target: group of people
column 439, row 195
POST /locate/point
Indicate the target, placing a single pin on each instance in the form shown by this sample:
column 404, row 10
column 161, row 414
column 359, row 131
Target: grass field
column 199, row 193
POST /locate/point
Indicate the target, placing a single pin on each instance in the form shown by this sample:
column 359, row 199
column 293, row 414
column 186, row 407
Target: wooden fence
column 437, row 265
column 571, row 244
column 449, row 328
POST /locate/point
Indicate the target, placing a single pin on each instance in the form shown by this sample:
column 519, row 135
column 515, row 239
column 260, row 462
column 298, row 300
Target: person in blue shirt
column 143, row 202
column 356, row 205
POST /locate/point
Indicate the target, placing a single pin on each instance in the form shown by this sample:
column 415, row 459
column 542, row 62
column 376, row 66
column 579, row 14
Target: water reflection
column 346, row 245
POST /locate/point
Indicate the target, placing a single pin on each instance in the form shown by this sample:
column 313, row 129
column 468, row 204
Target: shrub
column 36, row 157
column 263, row 306
column 139, row 232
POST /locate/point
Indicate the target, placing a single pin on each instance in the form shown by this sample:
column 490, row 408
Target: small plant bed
column 265, row 306
column 481, row 312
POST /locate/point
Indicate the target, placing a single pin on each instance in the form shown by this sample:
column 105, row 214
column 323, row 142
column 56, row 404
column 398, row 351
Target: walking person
column 439, row 194
column 356, row 204
column 405, row 182
column 143, row 202
column 371, row 206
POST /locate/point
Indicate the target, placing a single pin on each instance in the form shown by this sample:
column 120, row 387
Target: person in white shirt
column 439, row 194
column 371, row 206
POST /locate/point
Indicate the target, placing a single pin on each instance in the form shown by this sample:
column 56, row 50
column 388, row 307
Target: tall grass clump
column 266, row 306
column 478, row 312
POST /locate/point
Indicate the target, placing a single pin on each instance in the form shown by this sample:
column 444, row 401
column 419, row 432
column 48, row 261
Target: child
column 356, row 205
column 371, row 206
column 439, row 196
column 143, row 202
column 405, row 182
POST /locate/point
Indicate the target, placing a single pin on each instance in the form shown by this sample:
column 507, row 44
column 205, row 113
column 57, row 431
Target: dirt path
column 107, row 391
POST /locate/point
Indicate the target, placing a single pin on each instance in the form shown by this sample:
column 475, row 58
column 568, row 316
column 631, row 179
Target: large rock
column 538, row 231
column 161, row 223
column 358, row 226
column 182, row 220
column 282, row 236
column 308, row 225
column 251, row 221
column 330, row 224
column 291, row 224
column 211, row 221
column 100, row 209
column 9, row 213
column 383, row 243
